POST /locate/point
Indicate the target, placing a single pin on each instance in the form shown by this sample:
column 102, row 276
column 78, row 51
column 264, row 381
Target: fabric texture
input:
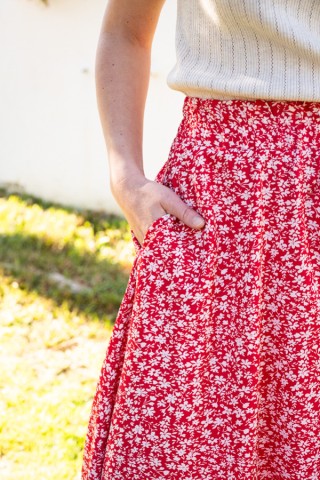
column 248, row 49
column 213, row 367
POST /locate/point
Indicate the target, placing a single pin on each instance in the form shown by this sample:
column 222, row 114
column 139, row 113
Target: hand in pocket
column 144, row 201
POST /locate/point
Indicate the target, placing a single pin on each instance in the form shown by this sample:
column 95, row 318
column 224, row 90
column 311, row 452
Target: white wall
column 51, row 139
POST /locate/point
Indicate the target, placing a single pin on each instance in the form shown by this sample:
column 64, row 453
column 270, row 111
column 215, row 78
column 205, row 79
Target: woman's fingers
column 143, row 201
column 177, row 207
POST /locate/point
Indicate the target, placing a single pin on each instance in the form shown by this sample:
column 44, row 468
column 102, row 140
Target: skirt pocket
column 151, row 230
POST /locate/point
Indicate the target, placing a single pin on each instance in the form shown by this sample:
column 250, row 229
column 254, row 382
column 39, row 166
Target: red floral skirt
column 213, row 367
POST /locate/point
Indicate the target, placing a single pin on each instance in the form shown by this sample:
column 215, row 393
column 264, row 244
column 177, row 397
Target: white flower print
column 212, row 371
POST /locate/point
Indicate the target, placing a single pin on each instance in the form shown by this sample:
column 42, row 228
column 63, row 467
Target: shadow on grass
column 30, row 261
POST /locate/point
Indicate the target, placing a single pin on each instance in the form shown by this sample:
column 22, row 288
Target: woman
column 213, row 368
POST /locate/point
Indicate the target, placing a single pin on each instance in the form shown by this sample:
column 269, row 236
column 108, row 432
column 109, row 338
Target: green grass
column 53, row 339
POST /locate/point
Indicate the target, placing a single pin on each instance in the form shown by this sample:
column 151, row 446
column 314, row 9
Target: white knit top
column 248, row 49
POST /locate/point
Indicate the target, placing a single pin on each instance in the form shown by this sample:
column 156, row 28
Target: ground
column 63, row 274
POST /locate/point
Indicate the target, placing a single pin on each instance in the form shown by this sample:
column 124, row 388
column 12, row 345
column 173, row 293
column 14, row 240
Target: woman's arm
column 122, row 78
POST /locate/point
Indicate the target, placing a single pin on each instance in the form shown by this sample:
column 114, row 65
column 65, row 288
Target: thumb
column 186, row 214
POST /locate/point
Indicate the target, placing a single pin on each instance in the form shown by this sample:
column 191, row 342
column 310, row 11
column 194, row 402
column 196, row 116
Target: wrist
column 123, row 163
column 123, row 177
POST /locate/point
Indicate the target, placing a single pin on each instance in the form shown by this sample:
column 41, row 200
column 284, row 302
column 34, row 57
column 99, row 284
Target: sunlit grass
column 53, row 339
column 94, row 250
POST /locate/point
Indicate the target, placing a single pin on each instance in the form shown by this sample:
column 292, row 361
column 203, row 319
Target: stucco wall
column 51, row 139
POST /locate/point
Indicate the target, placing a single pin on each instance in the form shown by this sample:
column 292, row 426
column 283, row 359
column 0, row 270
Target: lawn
column 63, row 274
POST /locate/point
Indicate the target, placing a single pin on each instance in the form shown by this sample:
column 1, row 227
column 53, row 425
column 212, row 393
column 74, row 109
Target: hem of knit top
column 216, row 95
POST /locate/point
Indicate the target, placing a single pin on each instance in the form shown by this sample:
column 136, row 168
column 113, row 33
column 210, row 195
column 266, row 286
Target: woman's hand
column 143, row 201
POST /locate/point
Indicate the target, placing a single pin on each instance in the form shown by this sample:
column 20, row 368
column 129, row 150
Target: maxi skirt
column 213, row 367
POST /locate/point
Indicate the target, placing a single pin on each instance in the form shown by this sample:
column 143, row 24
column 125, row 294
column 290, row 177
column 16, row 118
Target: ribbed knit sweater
column 248, row 49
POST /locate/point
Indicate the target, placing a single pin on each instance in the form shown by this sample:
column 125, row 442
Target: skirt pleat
column 213, row 367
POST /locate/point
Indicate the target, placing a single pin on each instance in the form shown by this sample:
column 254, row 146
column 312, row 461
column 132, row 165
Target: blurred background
column 51, row 143
column 65, row 248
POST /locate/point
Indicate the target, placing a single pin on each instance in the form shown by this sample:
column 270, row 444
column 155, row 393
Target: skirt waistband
column 275, row 108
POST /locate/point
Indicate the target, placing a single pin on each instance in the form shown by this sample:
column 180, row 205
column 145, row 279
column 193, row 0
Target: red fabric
column 213, row 368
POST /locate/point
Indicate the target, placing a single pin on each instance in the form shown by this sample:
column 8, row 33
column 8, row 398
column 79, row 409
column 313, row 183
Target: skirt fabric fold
column 213, row 367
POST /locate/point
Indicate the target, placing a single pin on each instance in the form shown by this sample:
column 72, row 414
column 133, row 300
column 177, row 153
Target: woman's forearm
column 122, row 79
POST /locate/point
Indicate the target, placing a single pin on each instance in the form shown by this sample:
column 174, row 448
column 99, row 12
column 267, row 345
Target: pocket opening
column 147, row 235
